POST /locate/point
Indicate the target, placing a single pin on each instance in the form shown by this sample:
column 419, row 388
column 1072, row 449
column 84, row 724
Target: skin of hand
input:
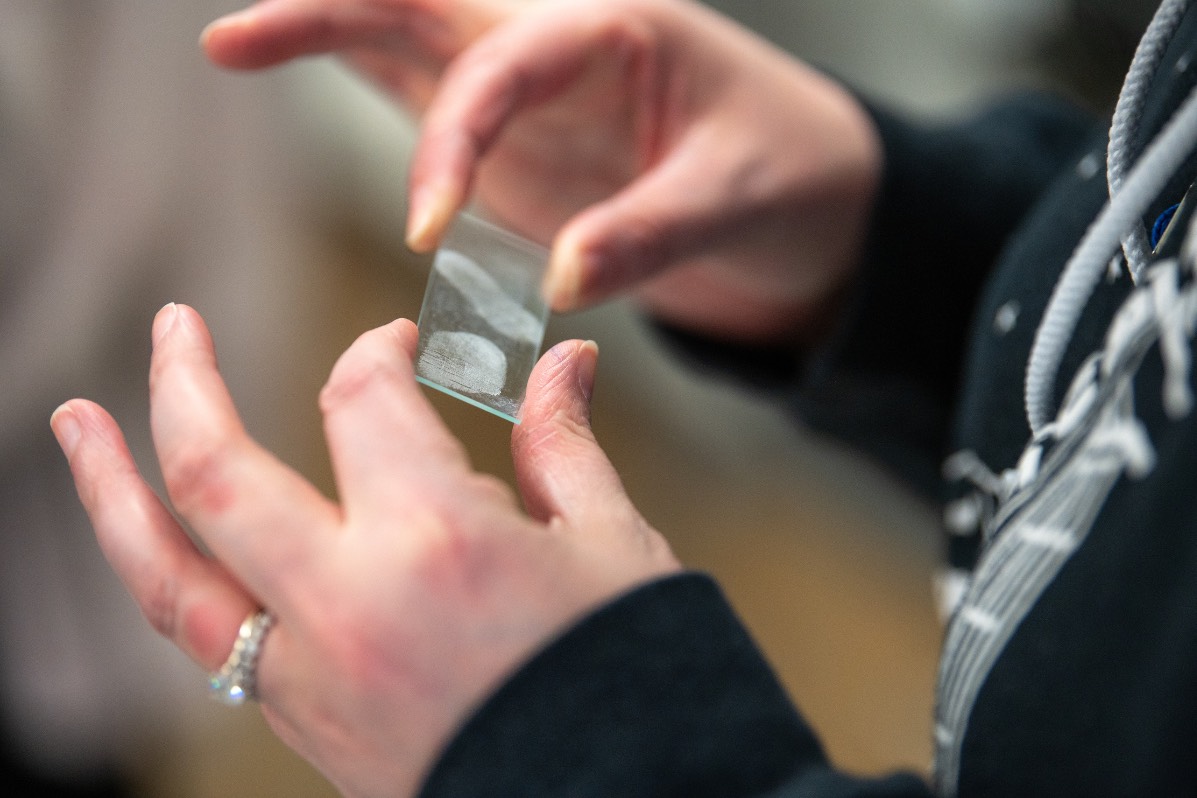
column 657, row 147
column 399, row 607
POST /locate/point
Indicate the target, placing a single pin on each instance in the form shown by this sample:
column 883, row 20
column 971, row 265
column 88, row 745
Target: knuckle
column 451, row 546
column 498, row 93
column 559, row 432
column 197, row 476
column 641, row 247
column 627, row 26
column 159, row 605
column 444, row 556
column 646, row 243
column 655, row 546
column 371, row 650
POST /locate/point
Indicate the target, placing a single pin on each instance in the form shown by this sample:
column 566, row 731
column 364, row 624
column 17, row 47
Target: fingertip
column 432, row 210
column 188, row 314
column 211, row 31
column 587, row 366
column 179, row 319
column 408, row 334
column 66, row 427
column 221, row 39
column 388, row 349
column 422, row 235
column 72, row 418
column 89, row 438
column 567, row 268
column 563, row 380
column 164, row 320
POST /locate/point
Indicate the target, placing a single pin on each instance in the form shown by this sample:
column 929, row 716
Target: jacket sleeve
column 661, row 693
column 952, row 193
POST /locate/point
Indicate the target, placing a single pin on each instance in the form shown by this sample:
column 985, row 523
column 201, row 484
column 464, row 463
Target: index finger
column 516, row 66
column 390, row 450
column 260, row 518
column 274, row 31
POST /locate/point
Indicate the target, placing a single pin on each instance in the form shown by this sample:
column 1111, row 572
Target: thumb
column 664, row 217
column 561, row 471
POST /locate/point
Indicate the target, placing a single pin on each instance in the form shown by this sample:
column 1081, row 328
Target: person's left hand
column 399, row 608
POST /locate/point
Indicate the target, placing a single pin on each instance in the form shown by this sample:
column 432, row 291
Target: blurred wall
column 132, row 173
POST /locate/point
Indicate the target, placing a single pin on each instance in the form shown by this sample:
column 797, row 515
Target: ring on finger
column 237, row 680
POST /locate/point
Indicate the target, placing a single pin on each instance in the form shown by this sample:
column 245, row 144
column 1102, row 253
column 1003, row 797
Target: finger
column 562, row 473
column 512, row 68
column 384, row 438
column 187, row 597
column 274, row 31
column 261, row 519
column 671, row 213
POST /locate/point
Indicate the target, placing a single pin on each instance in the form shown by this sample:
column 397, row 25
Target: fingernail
column 66, row 429
column 430, row 216
column 163, row 322
column 587, row 367
column 241, row 19
column 562, row 283
column 207, row 31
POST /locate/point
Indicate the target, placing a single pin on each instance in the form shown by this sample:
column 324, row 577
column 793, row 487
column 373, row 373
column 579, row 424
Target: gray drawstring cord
column 1087, row 264
column 1127, row 113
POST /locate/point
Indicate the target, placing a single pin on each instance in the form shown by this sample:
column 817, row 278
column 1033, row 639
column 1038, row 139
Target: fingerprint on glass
column 483, row 318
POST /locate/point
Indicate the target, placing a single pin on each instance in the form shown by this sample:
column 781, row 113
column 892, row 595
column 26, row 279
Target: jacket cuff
column 661, row 692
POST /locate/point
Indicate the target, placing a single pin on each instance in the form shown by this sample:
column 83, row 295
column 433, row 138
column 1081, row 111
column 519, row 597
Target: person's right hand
column 652, row 143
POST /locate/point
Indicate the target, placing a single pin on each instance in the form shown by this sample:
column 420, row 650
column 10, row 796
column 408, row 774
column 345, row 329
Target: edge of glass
column 467, row 399
column 511, row 238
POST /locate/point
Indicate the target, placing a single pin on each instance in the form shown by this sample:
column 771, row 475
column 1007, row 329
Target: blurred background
column 132, row 173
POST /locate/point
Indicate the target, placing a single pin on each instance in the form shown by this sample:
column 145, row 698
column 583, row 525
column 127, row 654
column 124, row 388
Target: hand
column 400, row 608
column 641, row 138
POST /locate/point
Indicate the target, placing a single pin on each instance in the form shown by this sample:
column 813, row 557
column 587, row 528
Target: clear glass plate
column 483, row 318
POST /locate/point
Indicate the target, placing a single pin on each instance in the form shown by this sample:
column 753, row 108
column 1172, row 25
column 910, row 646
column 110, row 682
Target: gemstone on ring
column 236, row 681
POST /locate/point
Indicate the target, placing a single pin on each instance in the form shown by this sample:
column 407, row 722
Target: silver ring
column 237, row 680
